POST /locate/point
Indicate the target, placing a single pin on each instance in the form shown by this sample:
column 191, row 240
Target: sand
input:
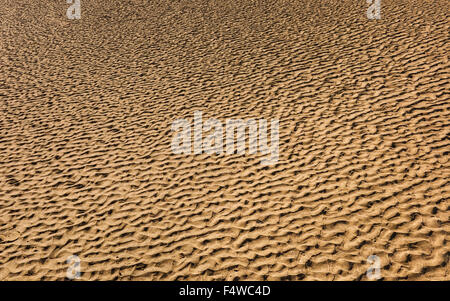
column 86, row 168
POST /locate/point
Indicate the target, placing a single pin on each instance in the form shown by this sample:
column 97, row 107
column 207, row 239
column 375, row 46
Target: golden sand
column 86, row 168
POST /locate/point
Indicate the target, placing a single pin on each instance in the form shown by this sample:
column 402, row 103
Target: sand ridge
column 86, row 168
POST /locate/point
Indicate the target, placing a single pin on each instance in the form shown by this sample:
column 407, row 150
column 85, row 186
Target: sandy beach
column 87, row 108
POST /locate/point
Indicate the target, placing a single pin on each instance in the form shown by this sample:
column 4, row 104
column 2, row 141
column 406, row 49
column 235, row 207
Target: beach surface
column 87, row 169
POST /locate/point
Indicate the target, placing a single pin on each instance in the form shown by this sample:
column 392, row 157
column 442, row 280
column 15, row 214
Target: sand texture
column 86, row 166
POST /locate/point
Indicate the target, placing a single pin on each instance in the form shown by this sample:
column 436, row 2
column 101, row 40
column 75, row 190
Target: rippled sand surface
column 86, row 168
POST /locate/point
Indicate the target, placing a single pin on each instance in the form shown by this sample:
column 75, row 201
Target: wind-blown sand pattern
column 86, row 166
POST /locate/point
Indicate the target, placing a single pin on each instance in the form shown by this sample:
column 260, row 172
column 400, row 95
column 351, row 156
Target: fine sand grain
column 86, row 168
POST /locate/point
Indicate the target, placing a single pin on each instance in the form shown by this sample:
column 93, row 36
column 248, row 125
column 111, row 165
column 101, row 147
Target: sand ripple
column 86, row 166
